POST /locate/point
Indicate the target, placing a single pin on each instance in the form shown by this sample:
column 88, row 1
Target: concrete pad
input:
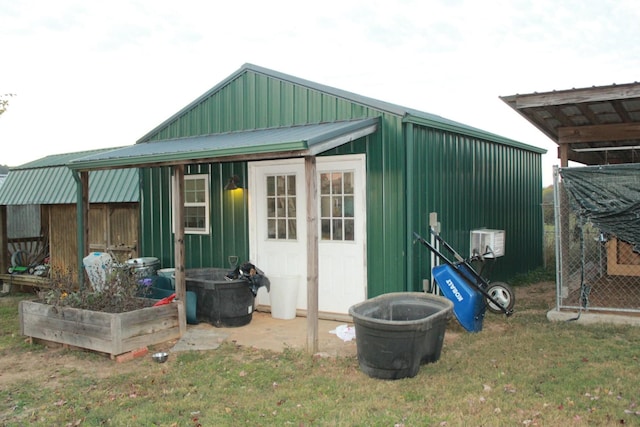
column 589, row 318
column 200, row 338
column 266, row 333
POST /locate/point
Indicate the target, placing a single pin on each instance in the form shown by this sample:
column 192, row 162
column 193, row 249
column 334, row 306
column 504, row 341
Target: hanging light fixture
column 233, row 183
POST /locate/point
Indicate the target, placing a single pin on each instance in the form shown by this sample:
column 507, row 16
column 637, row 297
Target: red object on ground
column 132, row 355
column 165, row 300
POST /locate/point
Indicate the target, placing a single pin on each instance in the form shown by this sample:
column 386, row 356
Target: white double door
column 278, row 228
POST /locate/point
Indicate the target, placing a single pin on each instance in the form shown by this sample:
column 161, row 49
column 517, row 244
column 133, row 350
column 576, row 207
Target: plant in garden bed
column 112, row 319
column 121, row 291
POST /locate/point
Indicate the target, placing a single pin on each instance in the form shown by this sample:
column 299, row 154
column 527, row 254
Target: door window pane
column 349, row 233
column 337, row 208
column 281, row 207
column 325, row 183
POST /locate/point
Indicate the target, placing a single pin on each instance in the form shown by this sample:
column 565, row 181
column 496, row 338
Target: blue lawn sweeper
column 470, row 293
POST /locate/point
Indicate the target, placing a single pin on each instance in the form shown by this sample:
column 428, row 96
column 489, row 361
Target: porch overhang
column 271, row 143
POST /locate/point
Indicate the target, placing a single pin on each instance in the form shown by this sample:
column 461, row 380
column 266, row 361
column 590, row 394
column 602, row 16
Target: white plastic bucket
column 283, row 294
column 98, row 266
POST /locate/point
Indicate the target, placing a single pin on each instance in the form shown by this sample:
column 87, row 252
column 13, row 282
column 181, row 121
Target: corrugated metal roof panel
column 308, row 140
column 45, row 183
column 59, row 159
column 409, row 114
column 114, row 186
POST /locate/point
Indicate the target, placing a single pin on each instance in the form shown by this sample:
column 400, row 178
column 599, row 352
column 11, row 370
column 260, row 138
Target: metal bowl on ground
column 160, row 357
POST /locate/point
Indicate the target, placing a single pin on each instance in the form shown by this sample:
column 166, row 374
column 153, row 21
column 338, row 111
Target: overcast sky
column 93, row 74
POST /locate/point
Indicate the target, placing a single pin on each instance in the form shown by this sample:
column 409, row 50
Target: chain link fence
column 595, row 271
column 549, row 237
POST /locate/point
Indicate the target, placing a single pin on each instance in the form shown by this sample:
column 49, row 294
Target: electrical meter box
column 488, row 243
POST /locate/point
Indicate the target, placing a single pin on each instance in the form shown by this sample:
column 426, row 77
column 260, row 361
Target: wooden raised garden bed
column 111, row 333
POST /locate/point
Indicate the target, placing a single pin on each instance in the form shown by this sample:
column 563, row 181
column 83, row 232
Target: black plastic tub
column 220, row 302
column 397, row 332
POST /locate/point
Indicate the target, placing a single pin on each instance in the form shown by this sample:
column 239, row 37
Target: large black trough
column 220, row 301
column 397, row 332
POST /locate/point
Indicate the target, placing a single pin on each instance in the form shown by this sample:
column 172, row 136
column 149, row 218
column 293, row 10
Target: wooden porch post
column 312, row 254
column 82, row 218
column 178, row 210
column 4, row 241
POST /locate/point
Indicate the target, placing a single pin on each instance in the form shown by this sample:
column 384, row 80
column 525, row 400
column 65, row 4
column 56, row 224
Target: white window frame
column 205, row 204
column 286, row 197
column 331, row 217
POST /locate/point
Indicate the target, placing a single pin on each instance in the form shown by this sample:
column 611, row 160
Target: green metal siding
column 255, row 101
column 473, row 183
column 228, row 219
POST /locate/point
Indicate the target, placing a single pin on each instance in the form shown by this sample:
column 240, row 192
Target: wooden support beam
column 563, row 155
column 178, row 226
column 4, row 241
column 599, row 133
column 312, row 253
column 82, row 220
column 84, row 178
column 575, row 96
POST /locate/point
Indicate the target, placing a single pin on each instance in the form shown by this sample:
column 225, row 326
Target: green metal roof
column 293, row 140
column 408, row 114
column 50, row 181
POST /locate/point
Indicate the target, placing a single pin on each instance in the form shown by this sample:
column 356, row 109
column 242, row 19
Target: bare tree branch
column 4, row 101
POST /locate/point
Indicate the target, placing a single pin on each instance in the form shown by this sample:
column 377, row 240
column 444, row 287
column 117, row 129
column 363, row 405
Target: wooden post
column 4, row 242
column 563, row 155
column 178, row 217
column 84, row 178
column 312, row 254
column 82, row 219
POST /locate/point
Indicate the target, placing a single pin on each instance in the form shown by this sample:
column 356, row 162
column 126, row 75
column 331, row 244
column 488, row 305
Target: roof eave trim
column 344, row 136
column 472, row 132
column 187, row 156
column 574, row 96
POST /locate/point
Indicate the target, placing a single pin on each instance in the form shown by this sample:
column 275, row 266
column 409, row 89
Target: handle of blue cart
column 440, row 240
column 451, row 264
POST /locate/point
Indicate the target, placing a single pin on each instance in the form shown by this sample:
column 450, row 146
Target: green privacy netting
column 608, row 197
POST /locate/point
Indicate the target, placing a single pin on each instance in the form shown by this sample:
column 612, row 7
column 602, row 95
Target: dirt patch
column 46, row 366
column 540, row 296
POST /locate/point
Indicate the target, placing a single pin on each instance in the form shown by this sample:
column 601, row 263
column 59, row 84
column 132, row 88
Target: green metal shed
column 381, row 170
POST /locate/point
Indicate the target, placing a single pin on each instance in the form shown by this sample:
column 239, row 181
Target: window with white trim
column 196, row 204
column 337, row 206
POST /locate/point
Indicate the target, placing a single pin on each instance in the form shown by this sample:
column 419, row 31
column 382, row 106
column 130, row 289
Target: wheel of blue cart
column 503, row 294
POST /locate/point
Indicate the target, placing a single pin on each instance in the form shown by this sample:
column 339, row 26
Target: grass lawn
column 521, row 370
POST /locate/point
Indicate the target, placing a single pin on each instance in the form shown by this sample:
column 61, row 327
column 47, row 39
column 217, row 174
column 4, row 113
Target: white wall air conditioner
column 487, row 243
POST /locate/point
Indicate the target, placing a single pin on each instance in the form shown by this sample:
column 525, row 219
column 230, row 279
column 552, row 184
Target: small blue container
column 161, row 287
column 468, row 303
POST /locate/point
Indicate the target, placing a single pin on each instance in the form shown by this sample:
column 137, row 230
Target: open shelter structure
column 597, row 205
